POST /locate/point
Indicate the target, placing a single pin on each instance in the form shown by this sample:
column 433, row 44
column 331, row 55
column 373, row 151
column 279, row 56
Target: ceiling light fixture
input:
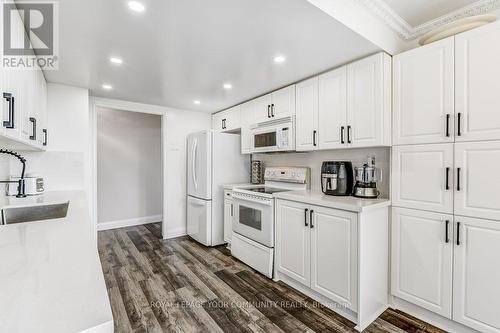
column 107, row 86
column 227, row 86
column 136, row 6
column 116, row 60
column 197, row 102
column 279, row 59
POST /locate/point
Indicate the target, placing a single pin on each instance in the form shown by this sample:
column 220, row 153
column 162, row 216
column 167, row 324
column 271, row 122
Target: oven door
column 254, row 218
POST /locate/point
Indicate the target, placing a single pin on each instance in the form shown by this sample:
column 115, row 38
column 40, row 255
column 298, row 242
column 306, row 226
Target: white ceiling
column 178, row 51
column 418, row 12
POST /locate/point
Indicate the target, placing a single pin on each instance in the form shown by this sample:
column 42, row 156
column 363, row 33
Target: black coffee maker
column 337, row 178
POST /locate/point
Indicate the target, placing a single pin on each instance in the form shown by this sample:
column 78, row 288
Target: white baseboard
column 178, row 232
column 129, row 222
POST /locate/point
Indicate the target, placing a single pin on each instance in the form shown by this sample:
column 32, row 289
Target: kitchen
column 301, row 186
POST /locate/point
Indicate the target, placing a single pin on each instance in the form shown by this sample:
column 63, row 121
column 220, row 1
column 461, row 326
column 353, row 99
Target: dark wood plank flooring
column 178, row 285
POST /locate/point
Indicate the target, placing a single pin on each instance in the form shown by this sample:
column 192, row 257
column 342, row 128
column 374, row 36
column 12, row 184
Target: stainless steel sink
column 34, row 213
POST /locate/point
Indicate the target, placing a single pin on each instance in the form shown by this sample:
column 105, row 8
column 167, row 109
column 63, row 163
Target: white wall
column 314, row 160
column 65, row 164
column 129, row 168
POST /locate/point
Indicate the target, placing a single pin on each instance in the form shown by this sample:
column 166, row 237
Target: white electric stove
column 253, row 220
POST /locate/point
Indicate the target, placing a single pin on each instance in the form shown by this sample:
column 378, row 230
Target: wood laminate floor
column 178, row 285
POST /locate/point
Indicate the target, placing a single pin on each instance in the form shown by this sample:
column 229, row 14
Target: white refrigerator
column 214, row 159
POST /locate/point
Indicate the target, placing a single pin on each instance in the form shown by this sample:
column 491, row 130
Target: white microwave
column 274, row 135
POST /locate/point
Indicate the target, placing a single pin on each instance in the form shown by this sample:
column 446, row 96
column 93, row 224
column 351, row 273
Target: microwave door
column 265, row 140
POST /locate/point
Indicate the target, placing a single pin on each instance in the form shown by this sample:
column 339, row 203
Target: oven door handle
column 248, row 199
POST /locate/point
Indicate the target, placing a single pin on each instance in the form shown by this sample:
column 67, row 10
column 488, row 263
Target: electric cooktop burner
column 267, row 190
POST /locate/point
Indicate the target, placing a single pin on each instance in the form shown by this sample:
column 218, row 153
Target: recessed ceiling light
column 116, row 60
column 227, row 86
column 136, row 6
column 107, row 86
column 197, row 102
column 279, row 59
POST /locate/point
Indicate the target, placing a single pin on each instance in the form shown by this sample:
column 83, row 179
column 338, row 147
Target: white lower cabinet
column 422, row 258
column 335, row 256
column 476, row 276
column 448, row 264
column 293, row 241
column 228, row 216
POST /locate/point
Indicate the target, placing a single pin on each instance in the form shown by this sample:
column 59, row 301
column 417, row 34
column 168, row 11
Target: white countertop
column 344, row 203
column 50, row 274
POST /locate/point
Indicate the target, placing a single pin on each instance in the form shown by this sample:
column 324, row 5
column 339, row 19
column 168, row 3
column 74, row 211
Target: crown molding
column 407, row 32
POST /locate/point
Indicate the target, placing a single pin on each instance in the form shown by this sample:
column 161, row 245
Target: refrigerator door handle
column 195, row 147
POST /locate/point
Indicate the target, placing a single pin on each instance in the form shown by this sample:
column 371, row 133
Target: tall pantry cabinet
column 446, row 209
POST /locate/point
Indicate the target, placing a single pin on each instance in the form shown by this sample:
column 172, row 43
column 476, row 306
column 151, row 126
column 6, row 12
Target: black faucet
column 20, row 187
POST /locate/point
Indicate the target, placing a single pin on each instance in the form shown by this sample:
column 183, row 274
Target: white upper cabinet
column 476, row 274
column 262, row 109
column 423, row 87
column 306, row 134
column 333, row 109
column 24, row 109
column 218, row 121
column 369, row 101
column 422, row 259
column 334, row 270
column 422, row 177
column 477, row 97
column 283, row 102
column 477, row 181
column 228, row 120
column 347, row 107
column 247, row 115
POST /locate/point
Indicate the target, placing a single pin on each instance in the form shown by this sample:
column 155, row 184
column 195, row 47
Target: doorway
column 124, row 107
column 129, row 167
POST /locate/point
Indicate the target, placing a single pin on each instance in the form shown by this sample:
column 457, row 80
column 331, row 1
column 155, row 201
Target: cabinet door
column 334, row 255
column 422, row 258
column 247, row 115
column 333, row 109
column 262, row 108
column 293, row 244
column 368, row 101
column 477, row 72
column 228, row 220
column 476, row 274
column 13, row 84
column 42, row 114
column 306, row 132
column 233, row 120
column 424, row 94
column 283, row 102
column 477, row 182
column 218, row 121
column 422, row 177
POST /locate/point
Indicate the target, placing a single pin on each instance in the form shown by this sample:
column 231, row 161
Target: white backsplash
column 62, row 171
column 314, row 160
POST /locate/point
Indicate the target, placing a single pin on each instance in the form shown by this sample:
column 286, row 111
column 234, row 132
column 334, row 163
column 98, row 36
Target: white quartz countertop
column 344, row 203
column 50, row 274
